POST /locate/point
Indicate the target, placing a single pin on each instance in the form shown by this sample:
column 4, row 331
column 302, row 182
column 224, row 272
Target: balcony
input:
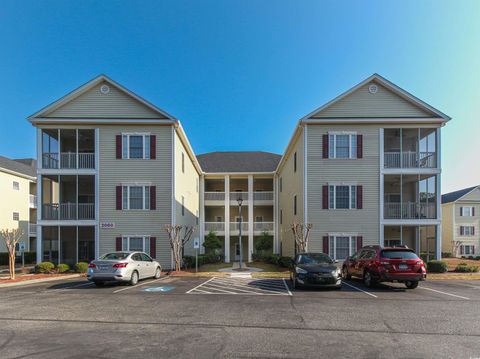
column 32, row 229
column 409, row 210
column 32, row 203
column 263, row 227
column 68, row 211
column 214, row 196
column 235, row 227
column 263, row 196
column 214, row 227
column 234, row 196
column 410, row 160
column 68, row 160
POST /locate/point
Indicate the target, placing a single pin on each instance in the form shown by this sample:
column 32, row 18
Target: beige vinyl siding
column 292, row 184
column 447, row 227
column 116, row 172
column 94, row 104
column 468, row 221
column 365, row 172
column 472, row 196
column 361, row 103
column 14, row 201
column 186, row 185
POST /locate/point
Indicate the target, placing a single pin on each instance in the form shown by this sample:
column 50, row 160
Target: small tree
column 301, row 233
column 455, row 247
column 264, row 243
column 212, row 242
column 11, row 238
column 177, row 241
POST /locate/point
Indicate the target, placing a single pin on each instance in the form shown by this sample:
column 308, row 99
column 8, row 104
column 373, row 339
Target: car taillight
column 92, row 265
column 120, row 265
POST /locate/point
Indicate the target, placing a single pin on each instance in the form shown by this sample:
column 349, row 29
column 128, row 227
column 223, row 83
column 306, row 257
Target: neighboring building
column 364, row 169
column 461, row 222
column 114, row 170
column 18, row 206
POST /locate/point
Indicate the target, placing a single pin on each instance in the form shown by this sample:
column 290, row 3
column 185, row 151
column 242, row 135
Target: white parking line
column 438, row 291
column 139, row 285
column 191, row 290
column 360, row 290
column 241, row 286
column 286, row 286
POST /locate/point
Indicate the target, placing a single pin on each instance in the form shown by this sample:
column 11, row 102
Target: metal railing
column 410, row 159
column 86, row 211
column 263, row 196
column 236, row 195
column 214, row 196
column 32, row 229
column 32, row 201
column 68, row 211
column 214, row 226
column 263, row 226
column 235, row 226
column 409, row 210
column 68, row 160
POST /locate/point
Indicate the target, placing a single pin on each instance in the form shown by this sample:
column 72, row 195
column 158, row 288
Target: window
column 467, row 230
column 342, row 197
column 136, row 197
column 183, row 206
column 136, row 243
column 467, row 211
column 16, row 186
column 218, row 219
column 281, row 184
column 342, row 145
column 341, row 247
column 295, row 162
column 295, row 205
column 467, row 249
column 16, row 216
column 136, row 146
column 183, row 162
column 281, row 216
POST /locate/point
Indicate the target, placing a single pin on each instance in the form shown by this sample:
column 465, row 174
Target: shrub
column 30, row 257
column 437, row 266
column 477, row 258
column 463, row 257
column 446, row 255
column 44, row 267
column 264, row 243
column 62, row 268
column 465, row 268
column 189, row 261
column 285, row 262
column 470, row 257
column 81, row 267
column 212, row 243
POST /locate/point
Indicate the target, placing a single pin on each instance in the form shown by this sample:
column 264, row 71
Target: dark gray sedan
column 315, row 270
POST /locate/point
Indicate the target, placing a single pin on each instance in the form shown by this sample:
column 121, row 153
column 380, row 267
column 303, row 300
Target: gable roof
column 429, row 111
column 78, row 92
column 455, row 196
column 238, row 162
column 25, row 167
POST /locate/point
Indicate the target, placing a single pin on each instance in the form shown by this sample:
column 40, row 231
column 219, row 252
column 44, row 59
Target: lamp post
column 240, row 201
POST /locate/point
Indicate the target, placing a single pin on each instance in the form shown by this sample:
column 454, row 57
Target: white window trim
column 350, row 185
column 352, row 152
column 16, row 186
column 128, row 134
column 145, row 242
column 469, row 230
column 351, row 250
column 143, row 198
column 462, row 211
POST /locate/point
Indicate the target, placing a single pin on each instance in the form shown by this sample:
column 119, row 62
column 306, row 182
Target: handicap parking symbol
column 165, row 288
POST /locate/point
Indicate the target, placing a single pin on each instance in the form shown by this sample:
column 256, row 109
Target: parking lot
column 238, row 317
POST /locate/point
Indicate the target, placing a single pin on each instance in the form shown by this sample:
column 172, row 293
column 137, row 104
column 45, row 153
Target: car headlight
column 300, row 270
column 336, row 272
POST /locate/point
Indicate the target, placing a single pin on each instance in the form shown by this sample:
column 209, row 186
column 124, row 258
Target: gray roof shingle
column 230, row 162
column 26, row 166
column 453, row 196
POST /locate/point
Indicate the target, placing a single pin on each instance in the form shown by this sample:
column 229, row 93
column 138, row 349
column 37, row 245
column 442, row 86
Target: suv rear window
column 398, row 254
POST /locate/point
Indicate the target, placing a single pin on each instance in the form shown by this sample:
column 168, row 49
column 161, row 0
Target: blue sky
column 226, row 67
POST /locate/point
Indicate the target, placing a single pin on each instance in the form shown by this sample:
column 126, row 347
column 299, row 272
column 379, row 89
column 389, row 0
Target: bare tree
column 301, row 233
column 11, row 238
column 178, row 241
column 455, row 247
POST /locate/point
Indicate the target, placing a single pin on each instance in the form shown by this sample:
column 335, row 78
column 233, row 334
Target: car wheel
column 368, row 280
column 98, row 283
column 411, row 284
column 345, row 274
column 158, row 273
column 134, row 278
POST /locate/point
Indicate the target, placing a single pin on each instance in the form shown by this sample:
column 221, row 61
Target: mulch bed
column 26, row 277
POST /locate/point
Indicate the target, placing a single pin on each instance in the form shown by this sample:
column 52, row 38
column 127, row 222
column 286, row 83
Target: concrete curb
column 33, row 281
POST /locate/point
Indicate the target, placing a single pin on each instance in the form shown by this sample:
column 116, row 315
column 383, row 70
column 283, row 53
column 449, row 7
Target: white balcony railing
column 263, row 196
column 32, row 201
column 32, row 229
column 235, row 226
column 263, row 226
column 68, row 211
column 409, row 210
column 68, row 160
column 410, row 159
column 236, row 195
column 214, row 227
column 214, row 196
column 86, row 211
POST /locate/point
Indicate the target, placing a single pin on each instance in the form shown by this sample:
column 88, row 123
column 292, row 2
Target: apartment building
column 364, row 169
column 18, row 206
column 461, row 222
column 113, row 170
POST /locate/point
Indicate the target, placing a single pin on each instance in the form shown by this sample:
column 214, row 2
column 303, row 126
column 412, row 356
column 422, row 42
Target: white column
column 275, row 215
column 227, row 219
column 250, row 217
column 201, row 221
column 438, row 247
column 97, row 192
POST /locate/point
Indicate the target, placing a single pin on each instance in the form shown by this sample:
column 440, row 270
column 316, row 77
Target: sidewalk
column 236, row 272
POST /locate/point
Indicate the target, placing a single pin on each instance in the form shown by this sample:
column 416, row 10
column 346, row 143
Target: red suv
column 376, row 264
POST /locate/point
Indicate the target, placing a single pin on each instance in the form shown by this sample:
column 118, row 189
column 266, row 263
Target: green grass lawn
column 213, row 267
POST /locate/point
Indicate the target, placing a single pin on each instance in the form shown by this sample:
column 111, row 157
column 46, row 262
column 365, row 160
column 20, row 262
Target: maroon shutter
column 325, row 244
column 119, row 146
column 359, row 197
column 359, row 146
column 118, row 243
column 473, row 211
column 461, row 230
column 359, row 242
column 325, row 197
column 119, row 197
column 325, row 146
column 153, row 247
column 153, row 147
column 153, row 197
column 473, row 231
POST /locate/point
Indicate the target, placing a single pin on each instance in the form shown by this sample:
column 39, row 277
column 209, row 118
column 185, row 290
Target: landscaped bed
column 35, row 276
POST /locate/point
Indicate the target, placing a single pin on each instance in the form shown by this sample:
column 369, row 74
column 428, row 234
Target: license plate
column 403, row 266
column 103, row 268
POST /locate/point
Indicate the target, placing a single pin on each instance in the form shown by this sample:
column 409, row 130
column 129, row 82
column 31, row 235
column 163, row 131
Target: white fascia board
column 100, row 121
column 183, row 137
column 233, row 174
column 292, row 141
column 18, row 174
column 363, row 120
